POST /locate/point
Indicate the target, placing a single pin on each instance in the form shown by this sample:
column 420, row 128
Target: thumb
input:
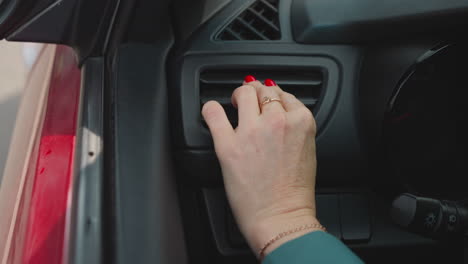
column 218, row 123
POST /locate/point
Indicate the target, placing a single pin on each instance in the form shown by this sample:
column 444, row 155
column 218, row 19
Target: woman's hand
column 268, row 161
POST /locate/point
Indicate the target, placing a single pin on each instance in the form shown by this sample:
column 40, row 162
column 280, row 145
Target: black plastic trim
column 196, row 136
column 337, row 118
column 249, row 22
column 86, row 239
column 217, row 209
column 13, row 11
column 383, row 67
column 85, row 25
column 343, row 21
column 148, row 225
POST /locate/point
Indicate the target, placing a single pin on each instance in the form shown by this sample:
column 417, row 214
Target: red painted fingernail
column 249, row 78
column 270, row 82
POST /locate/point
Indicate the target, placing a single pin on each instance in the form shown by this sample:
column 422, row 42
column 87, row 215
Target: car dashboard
column 347, row 63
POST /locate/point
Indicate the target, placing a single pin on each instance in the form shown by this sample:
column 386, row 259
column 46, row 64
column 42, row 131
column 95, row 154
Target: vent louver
column 258, row 22
column 218, row 84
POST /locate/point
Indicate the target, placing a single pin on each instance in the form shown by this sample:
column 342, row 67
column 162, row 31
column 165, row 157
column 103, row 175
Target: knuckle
column 289, row 97
column 306, row 115
column 277, row 121
column 304, row 119
column 312, row 128
column 245, row 90
column 309, row 121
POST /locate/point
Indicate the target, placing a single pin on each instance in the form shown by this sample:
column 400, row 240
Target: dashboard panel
column 358, row 79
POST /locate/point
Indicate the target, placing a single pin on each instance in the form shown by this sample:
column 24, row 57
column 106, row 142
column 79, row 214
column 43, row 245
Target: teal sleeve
column 313, row 248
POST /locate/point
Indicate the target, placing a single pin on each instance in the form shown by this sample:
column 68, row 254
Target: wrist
column 265, row 230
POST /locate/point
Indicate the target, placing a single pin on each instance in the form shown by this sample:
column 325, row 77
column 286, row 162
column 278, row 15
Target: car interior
column 386, row 83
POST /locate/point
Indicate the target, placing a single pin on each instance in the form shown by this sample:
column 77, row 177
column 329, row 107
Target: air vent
column 259, row 22
column 216, row 84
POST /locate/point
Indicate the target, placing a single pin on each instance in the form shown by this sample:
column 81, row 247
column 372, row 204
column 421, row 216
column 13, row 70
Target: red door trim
column 49, row 206
column 39, row 235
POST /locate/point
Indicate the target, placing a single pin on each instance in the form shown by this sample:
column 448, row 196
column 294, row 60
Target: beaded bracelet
column 287, row 233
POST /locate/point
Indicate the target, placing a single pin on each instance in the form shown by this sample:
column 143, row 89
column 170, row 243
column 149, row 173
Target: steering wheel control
column 430, row 217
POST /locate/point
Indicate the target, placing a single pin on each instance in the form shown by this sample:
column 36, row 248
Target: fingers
column 267, row 92
column 218, row 123
column 245, row 99
column 289, row 101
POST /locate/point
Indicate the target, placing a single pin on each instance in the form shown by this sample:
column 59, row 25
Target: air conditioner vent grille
column 218, row 84
column 258, row 22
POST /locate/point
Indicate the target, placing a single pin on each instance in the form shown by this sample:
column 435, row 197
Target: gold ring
column 267, row 100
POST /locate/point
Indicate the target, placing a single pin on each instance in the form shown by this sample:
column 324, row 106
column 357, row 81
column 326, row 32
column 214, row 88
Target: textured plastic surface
column 344, row 21
column 148, row 227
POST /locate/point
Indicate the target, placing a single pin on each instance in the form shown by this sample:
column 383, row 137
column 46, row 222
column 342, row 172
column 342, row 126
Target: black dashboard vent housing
column 258, row 22
column 218, row 84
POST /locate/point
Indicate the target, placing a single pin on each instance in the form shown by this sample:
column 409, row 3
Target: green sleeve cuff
column 316, row 247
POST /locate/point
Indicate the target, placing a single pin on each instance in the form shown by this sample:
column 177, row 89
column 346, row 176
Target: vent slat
column 299, row 82
column 266, row 21
column 222, row 100
column 258, row 22
column 234, row 34
column 280, row 74
column 266, row 3
column 278, row 81
column 227, row 101
column 310, row 103
column 252, row 29
column 218, row 84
